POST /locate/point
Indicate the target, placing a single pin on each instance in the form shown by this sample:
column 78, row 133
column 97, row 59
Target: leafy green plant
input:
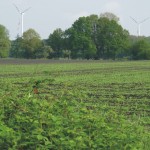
column 103, row 108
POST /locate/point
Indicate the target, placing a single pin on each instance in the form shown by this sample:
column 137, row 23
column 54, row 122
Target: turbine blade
column 26, row 10
column 17, row 8
column 144, row 20
column 134, row 20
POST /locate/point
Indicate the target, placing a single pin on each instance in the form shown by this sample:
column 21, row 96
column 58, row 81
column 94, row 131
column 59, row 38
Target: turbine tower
column 22, row 19
column 139, row 24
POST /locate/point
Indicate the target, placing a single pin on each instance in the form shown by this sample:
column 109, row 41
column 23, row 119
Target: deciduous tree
column 109, row 16
column 56, row 42
column 111, row 38
column 4, row 42
column 16, row 50
column 80, row 37
column 31, row 43
column 140, row 50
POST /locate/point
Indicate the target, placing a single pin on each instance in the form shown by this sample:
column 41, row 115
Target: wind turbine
column 22, row 19
column 139, row 24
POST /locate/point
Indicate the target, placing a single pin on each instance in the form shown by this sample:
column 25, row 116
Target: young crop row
column 99, row 105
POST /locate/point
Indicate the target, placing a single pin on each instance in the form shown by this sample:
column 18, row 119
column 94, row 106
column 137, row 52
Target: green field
column 75, row 105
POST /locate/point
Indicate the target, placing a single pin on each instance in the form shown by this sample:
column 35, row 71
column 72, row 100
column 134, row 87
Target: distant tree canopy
column 109, row 16
column 4, row 42
column 16, row 48
column 111, row 39
column 56, row 41
column 31, row 42
column 91, row 37
column 80, row 38
column 140, row 50
column 29, row 46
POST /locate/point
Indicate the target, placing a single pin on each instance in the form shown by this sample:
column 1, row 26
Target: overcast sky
column 47, row 15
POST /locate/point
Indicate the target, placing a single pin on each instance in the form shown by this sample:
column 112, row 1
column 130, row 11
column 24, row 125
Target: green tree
column 66, row 54
column 56, row 42
column 4, row 42
column 31, row 43
column 111, row 38
column 110, row 16
column 45, row 52
column 80, row 37
column 16, row 50
column 140, row 50
column 83, row 47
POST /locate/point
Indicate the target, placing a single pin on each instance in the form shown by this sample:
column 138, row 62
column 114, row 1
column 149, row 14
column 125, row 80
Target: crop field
column 74, row 105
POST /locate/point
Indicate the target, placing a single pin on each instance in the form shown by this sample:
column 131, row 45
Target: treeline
column 91, row 37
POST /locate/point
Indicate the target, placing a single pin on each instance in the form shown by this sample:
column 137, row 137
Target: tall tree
column 109, row 16
column 44, row 52
column 141, row 50
column 56, row 42
column 111, row 38
column 4, row 42
column 31, row 43
column 16, row 50
column 80, row 37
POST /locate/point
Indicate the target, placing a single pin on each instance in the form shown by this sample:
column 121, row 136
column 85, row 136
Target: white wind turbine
column 22, row 19
column 139, row 24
